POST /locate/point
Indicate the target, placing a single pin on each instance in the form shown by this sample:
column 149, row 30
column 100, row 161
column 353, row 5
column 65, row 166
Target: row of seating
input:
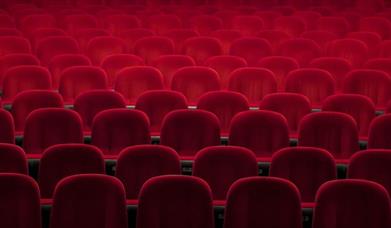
column 188, row 131
column 177, row 201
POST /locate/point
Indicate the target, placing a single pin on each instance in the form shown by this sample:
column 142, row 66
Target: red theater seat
column 60, row 161
column 161, row 24
column 292, row 106
column 379, row 25
column 12, row 159
column 293, row 25
column 371, row 39
column 137, row 164
column 378, row 138
column 188, row 131
column 90, row 103
column 31, row 23
column 179, row 36
column 75, row 22
column 157, row 104
column 252, row 49
column 150, row 48
column 14, row 45
column 252, row 82
column 19, row 188
column 50, row 47
column 175, row 201
column 195, row 81
column 361, row 108
column 83, row 36
column 368, row 204
column 10, row 31
column 333, row 131
column 268, row 17
column 303, row 50
column 382, row 64
column 206, row 24
column 355, row 51
column 131, row 82
column 268, row 202
column 6, row 21
column 41, row 33
column 248, row 25
column 337, row 25
column 30, row 100
column 50, row 126
column 221, row 166
column 263, row 132
column 226, row 37
column 314, row 83
column 117, row 23
column 225, row 105
column 130, row 36
column 99, row 48
column 310, row 17
column 307, row 167
column 201, row 48
column 275, row 37
column 320, row 37
column 115, row 129
column 99, row 198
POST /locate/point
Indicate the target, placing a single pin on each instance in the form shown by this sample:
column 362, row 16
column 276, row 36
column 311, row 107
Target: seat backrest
column 100, row 47
column 52, row 46
column 383, row 64
column 13, row 60
column 293, row 25
column 201, row 48
column 12, row 159
column 301, row 49
column 150, row 48
column 378, row 137
column 252, row 49
column 14, row 45
column 355, row 51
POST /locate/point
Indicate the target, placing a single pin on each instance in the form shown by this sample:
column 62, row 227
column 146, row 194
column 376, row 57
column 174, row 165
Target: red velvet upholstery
column 264, row 132
column 307, row 167
column 117, row 22
column 7, row 132
column 206, row 24
column 90, row 103
column 64, row 160
column 131, row 82
column 383, row 64
column 84, row 35
column 30, row 23
column 361, row 108
column 355, row 51
column 89, row 200
column 12, row 159
column 320, row 37
column 136, row 164
column 226, row 37
column 292, row 106
column 163, row 23
column 333, row 131
column 49, row 47
column 252, row 49
column 379, row 25
column 359, row 204
column 188, row 131
column 78, row 79
column 99, row 48
column 115, row 129
column 371, row 39
column 263, row 202
column 73, row 23
column 12, row 60
column 157, row 104
column 50, row 126
column 195, row 81
column 292, row 25
column 150, row 48
column 201, row 48
column 19, row 201
column 314, row 83
column 14, row 45
column 221, row 166
column 337, row 25
column 179, row 36
column 303, row 50
column 27, row 101
column 247, row 25
column 175, row 201
column 378, row 136
column 275, row 37
column 225, row 105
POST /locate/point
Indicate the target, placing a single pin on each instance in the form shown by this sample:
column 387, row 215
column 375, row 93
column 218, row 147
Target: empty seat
column 179, row 36
column 221, row 166
column 268, row 202
column 32, row 22
column 137, row 164
column 307, row 167
column 383, row 49
column 383, row 64
column 378, row 138
column 292, row 25
column 252, row 82
column 13, row 60
column 201, row 48
column 87, row 195
column 275, row 37
column 118, row 22
column 225, row 105
column 90, row 103
column 371, row 205
column 12, row 159
column 252, row 49
column 336, row 25
column 379, row 25
column 7, row 132
column 374, row 84
column 50, row 126
column 355, row 51
column 130, row 36
column 280, row 66
column 27, row 101
column 195, row 81
column 225, row 65
column 83, row 36
column 310, row 17
column 172, row 200
column 78, row 79
column 61, row 62
column 371, row 39
column 6, row 21
column 163, row 23
column 320, row 37
column 75, row 22
column 292, row 106
column 157, row 104
column 226, row 37
column 247, row 25
column 14, row 45
column 169, row 64
column 39, row 34
column 60, row 161
column 361, row 108
column 22, row 78
column 10, row 32
column 19, row 188
column 99, row 48
column 131, row 82
column 115, row 129
column 336, row 66
column 206, row 24
column 112, row 64
column 188, row 131
column 268, row 17
column 263, row 132
column 303, row 50
column 150, row 48
column 316, row 84
column 50, row 47
column 338, row 134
